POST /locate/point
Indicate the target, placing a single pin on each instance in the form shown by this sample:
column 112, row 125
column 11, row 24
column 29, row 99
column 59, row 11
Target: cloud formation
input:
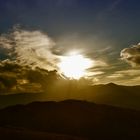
column 31, row 58
column 131, row 55
column 37, row 49
column 19, row 78
column 32, row 48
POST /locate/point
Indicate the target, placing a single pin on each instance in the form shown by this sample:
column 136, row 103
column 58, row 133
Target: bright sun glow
column 74, row 66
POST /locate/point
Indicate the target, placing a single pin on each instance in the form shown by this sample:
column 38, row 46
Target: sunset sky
column 104, row 35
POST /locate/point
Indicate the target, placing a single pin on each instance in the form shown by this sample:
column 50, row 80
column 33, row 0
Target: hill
column 111, row 94
column 72, row 118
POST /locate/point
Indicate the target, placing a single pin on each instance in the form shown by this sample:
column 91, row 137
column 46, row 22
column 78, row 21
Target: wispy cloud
column 114, row 5
column 109, row 9
column 125, row 77
column 32, row 48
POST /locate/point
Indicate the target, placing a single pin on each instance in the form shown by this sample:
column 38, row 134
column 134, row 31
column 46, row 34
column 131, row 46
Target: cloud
column 125, row 73
column 19, row 78
column 32, row 57
column 125, row 77
column 130, row 81
column 37, row 49
column 131, row 55
column 32, row 48
column 129, row 72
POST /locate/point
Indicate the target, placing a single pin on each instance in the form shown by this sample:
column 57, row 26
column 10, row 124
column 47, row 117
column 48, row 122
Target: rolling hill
column 111, row 94
column 70, row 119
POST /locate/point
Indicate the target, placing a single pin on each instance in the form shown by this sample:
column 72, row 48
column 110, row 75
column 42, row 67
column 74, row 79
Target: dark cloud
column 42, row 76
column 19, row 78
column 10, row 66
column 131, row 55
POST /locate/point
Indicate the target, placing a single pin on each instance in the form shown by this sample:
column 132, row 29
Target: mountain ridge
column 111, row 94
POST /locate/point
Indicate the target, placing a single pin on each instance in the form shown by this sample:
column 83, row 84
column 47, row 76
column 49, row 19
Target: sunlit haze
column 74, row 66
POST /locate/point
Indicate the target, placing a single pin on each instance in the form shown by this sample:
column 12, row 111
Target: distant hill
column 70, row 119
column 116, row 95
column 111, row 94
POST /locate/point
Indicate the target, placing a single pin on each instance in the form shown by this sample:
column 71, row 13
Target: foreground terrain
column 70, row 120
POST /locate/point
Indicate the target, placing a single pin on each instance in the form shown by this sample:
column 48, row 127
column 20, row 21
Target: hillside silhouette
column 69, row 119
column 111, row 94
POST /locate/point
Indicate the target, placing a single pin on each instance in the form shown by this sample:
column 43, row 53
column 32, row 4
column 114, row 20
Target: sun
column 74, row 66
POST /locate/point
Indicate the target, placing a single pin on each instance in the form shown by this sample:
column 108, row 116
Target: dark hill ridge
column 74, row 118
column 111, row 94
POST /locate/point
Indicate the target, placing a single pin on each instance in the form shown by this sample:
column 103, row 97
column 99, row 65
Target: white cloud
column 29, row 48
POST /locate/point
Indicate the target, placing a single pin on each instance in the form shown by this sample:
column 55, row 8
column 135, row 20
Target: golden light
column 74, row 66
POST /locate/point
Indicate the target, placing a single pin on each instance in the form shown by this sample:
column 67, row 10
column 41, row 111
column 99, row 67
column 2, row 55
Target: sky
column 39, row 32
